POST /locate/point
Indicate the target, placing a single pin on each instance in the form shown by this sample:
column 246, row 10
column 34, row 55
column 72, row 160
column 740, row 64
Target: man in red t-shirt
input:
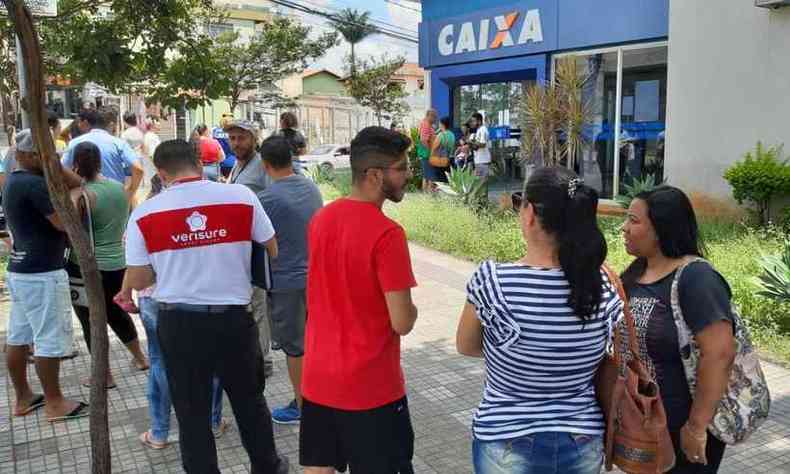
column 359, row 284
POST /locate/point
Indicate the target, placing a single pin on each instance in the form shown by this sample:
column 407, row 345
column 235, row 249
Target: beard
column 392, row 191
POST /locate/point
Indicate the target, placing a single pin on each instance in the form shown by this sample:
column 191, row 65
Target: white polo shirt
column 198, row 237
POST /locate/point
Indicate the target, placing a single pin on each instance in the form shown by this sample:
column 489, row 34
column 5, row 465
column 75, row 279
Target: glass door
column 630, row 81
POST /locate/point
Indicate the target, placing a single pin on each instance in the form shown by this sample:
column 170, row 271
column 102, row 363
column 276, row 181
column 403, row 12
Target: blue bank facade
column 483, row 54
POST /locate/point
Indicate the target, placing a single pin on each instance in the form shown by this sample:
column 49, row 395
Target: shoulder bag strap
column 633, row 345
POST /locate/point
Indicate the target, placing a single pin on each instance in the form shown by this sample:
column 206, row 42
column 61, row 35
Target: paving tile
column 444, row 390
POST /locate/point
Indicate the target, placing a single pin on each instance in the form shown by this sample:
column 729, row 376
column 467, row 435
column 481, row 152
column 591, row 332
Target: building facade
column 678, row 90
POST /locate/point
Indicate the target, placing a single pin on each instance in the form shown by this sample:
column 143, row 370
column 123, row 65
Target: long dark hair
column 87, row 160
column 567, row 209
column 673, row 218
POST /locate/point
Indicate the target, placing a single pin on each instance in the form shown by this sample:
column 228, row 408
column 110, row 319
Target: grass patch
column 734, row 249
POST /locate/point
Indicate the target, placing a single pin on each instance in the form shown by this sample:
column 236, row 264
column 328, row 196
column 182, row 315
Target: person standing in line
column 290, row 202
column 201, row 229
column 542, row 325
column 249, row 171
column 424, row 147
column 297, row 142
column 158, row 390
column 661, row 231
column 55, row 129
column 117, row 157
column 444, row 146
column 210, row 152
column 221, row 136
column 109, row 212
column 38, row 286
column 481, row 145
column 151, row 140
column 133, row 135
column 354, row 407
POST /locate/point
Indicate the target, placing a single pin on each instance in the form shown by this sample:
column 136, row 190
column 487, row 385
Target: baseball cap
column 242, row 124
column 24, row 141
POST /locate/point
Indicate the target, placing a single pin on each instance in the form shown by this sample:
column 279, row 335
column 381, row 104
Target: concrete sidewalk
column 443, row 387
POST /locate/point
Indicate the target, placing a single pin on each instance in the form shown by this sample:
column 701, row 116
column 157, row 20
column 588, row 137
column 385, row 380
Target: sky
column 401, row 18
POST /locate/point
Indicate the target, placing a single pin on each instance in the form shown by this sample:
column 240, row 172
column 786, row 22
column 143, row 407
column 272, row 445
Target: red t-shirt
column 352, row 355
column 209, row 150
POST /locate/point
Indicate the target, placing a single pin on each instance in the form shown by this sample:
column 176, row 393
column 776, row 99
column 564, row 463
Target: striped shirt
column 540, row 357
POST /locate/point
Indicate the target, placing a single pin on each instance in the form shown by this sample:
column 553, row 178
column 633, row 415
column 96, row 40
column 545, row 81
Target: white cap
column 24, row 141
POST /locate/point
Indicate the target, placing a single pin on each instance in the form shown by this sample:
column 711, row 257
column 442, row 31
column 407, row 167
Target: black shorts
column 376, row 441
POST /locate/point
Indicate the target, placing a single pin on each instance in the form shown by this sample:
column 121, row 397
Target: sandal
column 36, row 403
column 221, row 429
column 110, row 386
column 79, row 412
column 147, row 441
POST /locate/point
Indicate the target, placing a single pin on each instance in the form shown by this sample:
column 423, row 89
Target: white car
column 328, row 157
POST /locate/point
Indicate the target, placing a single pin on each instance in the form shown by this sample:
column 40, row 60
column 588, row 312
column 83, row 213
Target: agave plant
column 320, row 174
column 637, row 187
column 463, row 185
column 774, row 282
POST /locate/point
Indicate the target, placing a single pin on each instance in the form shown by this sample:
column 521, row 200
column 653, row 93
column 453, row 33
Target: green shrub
column 637, row 187
column 415, row 184
column 784, row 219
column 761, row 176
column 735, row 250
column 774, row 282
column 320, row 175
column 463, row 185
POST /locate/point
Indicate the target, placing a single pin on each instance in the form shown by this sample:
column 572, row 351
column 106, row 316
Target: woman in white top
column 542, row 325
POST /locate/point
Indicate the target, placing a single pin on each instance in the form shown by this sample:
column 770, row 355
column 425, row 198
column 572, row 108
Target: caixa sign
column 508, row 30
column 517, row 29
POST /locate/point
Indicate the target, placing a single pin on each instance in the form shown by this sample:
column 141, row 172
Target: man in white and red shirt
column 194, row 240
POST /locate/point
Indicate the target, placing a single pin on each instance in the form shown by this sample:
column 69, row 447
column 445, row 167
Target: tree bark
column 53, row 172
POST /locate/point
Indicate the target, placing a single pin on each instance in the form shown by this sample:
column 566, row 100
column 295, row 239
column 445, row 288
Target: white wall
column 728, row 86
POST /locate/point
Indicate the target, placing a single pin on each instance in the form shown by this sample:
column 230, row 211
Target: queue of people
column 439, row 150
column 340, row 302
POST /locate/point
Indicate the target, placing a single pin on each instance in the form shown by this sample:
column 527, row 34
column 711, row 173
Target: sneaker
column 287, row 415
column 220, row 429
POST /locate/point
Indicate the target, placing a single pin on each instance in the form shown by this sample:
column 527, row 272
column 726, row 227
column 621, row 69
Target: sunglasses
column 517, row 200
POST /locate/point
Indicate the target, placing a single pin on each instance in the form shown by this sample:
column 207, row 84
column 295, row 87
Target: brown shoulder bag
column 637, row 438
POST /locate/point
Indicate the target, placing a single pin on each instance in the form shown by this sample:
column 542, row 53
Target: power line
column 388, row 28
column 372, row 19
column 334, row 18
column 394, row 2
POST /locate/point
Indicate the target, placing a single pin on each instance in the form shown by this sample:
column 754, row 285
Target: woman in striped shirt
column 542, row 325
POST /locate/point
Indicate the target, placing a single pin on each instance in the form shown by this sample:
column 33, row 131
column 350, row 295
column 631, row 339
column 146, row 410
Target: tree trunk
column 353, row 61
column 100, row 440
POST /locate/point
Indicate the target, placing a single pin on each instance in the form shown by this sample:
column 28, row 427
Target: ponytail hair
column 567, row 209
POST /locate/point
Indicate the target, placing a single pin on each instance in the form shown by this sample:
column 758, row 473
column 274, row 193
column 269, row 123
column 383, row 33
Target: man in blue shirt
column 118, row 160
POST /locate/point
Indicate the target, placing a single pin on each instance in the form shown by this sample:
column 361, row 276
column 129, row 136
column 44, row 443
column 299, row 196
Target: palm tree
column 354, row 26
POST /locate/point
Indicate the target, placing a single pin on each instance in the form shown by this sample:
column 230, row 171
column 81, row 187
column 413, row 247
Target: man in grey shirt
column 249, row 171
column 290, row 202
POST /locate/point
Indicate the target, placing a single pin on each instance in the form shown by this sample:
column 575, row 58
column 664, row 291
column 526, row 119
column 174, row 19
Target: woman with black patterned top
column 661, row 232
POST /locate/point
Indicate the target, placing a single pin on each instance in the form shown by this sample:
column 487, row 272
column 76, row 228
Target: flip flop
column 36, row 403
column 79, row 412
column 145, row 438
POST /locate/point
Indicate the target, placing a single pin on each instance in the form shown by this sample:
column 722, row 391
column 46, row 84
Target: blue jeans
column 540, row 453
column 159, row 403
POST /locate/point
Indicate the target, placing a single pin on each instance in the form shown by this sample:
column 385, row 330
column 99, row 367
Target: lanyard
column 232, row 178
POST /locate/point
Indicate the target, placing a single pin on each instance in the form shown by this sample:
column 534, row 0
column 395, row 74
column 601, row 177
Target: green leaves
column 762, row 175
column 464, row 185
column 637, row 187
column 774, row 282
column 373, row 86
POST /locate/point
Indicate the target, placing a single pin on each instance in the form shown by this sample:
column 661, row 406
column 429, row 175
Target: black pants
column 196, row 345
column 118, row 319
